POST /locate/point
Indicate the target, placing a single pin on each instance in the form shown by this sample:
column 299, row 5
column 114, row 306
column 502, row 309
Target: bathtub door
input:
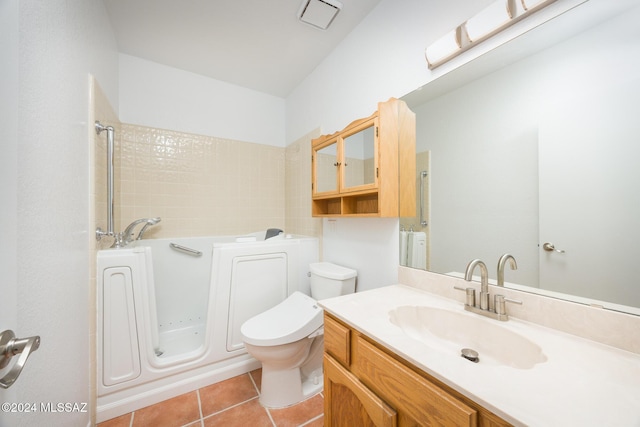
column 120, row 353
column 258, row 283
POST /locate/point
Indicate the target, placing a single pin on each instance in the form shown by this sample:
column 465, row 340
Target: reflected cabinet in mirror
column 356, row 172
column 540, row 159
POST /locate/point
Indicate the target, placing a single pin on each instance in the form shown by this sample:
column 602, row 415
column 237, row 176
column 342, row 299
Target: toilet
column 288, row 338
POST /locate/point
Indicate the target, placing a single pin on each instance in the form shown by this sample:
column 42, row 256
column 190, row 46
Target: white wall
column 60, row 43
column 8, row 176
column 159, row 96
column 382, row 58
column 368, row 246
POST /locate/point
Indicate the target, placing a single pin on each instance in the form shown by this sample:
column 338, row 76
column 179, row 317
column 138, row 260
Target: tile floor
column 229, row 403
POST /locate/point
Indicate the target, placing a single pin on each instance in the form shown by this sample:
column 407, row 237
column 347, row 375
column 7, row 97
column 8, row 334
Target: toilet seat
column 293, row 319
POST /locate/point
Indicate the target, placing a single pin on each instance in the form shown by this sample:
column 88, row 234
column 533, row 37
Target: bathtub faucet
column 126, row 237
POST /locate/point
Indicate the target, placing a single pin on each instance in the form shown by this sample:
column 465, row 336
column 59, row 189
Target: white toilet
column 288, row 338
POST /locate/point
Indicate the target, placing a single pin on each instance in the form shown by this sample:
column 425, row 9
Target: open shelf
column 361, row 205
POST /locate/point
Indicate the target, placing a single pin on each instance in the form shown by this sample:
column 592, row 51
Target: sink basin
column 449, row 331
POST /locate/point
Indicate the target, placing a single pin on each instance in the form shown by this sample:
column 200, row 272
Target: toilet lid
column 332, row 271
column 291, row 320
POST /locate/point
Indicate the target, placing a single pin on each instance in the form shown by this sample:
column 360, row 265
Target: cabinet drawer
column 336, row 340
column 408, row 391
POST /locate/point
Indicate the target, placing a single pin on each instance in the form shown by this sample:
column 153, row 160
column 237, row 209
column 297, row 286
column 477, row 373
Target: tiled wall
column 298, row 188
column 200, row 185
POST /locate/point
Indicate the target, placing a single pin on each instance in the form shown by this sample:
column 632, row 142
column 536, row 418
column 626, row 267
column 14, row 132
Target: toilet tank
column 330, row 280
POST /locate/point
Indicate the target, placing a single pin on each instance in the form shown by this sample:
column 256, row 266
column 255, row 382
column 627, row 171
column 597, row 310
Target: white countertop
column 582, row 383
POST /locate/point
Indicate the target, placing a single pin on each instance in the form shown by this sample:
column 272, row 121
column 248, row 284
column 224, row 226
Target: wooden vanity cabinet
column 358, row 171
column 367, row 385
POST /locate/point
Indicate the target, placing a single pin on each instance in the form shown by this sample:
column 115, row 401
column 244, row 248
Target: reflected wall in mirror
column 359, row 165
column 544, row 150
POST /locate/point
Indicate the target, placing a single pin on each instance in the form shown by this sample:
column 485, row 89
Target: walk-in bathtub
column 170, row 311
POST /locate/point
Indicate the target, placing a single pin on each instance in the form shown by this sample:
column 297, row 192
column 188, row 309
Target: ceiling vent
column 319, row 13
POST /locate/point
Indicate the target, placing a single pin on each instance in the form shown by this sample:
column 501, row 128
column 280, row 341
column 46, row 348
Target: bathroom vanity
column 387, row 363
column 361, row 376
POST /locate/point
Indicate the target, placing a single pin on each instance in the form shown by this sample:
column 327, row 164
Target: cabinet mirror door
column 360, row 154
column 326, row 166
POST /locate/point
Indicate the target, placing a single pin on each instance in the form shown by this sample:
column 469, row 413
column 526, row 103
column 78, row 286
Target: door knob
column 11, row 346
column 549, row 247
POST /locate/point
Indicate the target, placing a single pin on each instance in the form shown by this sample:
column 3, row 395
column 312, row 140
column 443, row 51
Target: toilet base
column 285, row 387
column 280, row 389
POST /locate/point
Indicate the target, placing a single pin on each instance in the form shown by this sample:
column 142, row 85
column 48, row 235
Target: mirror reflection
column 359, row 158
column 538, row 159
column 326, row 167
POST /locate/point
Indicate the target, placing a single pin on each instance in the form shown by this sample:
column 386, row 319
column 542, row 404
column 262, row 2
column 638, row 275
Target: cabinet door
column 348, row 403
column 325, row 168
column 359, row 169
column 412, row 395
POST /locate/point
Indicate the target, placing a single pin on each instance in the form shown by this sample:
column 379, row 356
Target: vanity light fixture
column 530, row 4
column 488, row 22
column 494, row 17
column 319, row 13
column 445, row 47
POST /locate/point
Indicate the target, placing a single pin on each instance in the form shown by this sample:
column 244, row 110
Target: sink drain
column 470, row 354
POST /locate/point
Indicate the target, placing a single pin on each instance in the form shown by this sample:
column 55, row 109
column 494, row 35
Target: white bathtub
column 169, row 320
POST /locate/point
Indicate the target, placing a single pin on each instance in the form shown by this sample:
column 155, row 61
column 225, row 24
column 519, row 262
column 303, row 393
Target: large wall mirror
column 539, row 158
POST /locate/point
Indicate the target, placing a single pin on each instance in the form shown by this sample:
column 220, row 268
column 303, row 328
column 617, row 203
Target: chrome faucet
column 498, row 311
column 484, row 281
column 124, row 238
column 150, row 222
column 501, row 262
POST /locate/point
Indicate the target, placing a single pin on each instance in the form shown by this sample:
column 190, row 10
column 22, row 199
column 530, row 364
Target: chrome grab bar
column 186, row 250
column 11, row 346
column 423, row 175
column 110, row 192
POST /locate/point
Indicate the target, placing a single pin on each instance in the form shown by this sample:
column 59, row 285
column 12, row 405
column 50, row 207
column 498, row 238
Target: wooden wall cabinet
column 358, row 171
column 366, row 385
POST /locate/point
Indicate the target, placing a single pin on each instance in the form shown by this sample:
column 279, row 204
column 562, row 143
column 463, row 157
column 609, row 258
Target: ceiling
column 256, row 44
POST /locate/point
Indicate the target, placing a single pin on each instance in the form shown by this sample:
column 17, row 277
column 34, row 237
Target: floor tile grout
column 229, row 407
column 200, row 408
column 270, row 417
column 254, row 383
column 317, row 417
column 201, row 417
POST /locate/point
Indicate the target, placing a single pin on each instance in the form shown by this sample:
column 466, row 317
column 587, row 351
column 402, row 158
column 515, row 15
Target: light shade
column 488, row 20
column 319, row 13
column 443, row 48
